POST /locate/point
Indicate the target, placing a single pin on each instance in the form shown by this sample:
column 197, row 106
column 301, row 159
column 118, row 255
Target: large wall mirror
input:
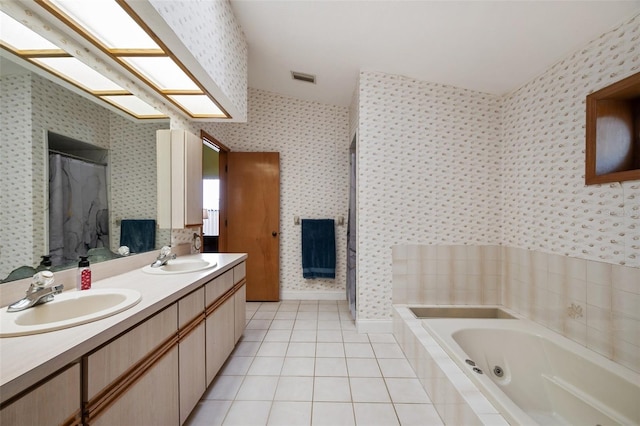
column 35, row 110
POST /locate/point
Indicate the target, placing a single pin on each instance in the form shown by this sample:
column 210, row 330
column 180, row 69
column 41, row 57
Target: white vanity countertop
column 26, row 360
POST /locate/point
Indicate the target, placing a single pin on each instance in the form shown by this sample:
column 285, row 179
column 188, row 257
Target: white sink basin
column 66, row 310
column 180, row 266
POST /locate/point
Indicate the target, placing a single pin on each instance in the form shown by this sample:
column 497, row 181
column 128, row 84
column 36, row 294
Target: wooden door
column 253, row 219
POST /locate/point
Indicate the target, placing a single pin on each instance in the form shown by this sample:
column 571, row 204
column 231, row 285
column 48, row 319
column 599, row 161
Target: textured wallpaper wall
column 134, row 190
column 428, row 173
column 546, row 205
column 313, row 142
column 211, row 33
column 16, row 225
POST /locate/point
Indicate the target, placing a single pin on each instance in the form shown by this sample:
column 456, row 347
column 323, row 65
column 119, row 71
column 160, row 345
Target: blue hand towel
column 318, row 248
column 138, row 234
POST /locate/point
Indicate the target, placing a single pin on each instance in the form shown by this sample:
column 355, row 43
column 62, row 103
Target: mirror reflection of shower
column 78, row 218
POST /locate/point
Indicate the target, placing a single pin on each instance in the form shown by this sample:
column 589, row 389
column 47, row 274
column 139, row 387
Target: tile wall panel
column 594, row 303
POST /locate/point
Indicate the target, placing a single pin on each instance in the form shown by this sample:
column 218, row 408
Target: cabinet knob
column 274, row 234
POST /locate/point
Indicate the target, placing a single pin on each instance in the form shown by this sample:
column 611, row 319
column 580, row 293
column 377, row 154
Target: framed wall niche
column 613, row 132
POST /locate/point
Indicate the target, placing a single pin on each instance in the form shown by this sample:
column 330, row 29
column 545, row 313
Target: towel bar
column 339, row 220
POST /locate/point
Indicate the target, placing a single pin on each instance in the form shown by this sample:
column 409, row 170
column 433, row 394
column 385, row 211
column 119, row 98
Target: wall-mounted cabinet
column 613, row 133
column 179, row 162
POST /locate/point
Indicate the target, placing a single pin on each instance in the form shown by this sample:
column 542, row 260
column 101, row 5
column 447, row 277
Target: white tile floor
column 303, row 363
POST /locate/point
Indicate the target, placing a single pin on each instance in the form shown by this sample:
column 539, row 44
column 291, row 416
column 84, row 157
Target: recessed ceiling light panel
column 19, row 37
column 107, row 22
column 163, row 72
column 198, row 105
column 80, row 73
column 134, row 106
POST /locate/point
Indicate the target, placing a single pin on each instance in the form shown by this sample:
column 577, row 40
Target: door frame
column 222, row 165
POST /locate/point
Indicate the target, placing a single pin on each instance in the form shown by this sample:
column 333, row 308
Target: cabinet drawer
column 239, row 272
column 112, row 360
column 190, row 307
column 218, row 286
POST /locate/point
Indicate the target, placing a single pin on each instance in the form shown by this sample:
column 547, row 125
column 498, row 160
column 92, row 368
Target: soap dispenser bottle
column 45, row 264
column 84, row 274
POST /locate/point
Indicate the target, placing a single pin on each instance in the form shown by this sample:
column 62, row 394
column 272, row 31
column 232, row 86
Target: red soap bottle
column 84, row 274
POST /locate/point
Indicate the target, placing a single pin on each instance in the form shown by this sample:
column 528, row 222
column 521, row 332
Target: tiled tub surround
column 446, row 274
column 593, row 303
column 455, row 397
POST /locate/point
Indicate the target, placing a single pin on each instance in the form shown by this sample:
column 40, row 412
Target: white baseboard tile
column 374, row 326
column 313, row 295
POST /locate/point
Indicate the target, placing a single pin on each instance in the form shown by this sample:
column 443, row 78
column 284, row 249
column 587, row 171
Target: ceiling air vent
column 307, row 78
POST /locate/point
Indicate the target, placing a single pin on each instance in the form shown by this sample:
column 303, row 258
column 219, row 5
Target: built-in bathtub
column 535, row 376
column 450, row 311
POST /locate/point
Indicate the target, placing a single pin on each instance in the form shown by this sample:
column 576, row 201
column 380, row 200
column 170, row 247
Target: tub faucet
column 164, row 256
column 40, row 291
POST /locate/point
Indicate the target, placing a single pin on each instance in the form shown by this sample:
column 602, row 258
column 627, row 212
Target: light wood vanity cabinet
column 153, row 374
column 54, row 402
column 157, row 372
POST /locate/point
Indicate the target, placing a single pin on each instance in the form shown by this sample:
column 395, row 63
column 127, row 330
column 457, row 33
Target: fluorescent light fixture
column 17, row 36
column 133, row 105
column 113, row 27
column 107, row 22
column 163, row 72
column 79, row 73
column 197, row 105
column 32, row 47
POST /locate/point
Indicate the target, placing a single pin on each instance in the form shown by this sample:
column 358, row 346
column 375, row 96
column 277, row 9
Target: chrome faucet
column 164, row 256
column 40, row 291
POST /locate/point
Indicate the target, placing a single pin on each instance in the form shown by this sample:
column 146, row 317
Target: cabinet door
column 192, row 373
column 240, row 302
column 193, row 180
column 55, row 402
column 179, row 170
column 110, row 363
column 152, row 400
column 220, row 337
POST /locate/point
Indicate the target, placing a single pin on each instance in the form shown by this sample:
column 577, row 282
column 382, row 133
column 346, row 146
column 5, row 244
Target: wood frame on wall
column 620, row 97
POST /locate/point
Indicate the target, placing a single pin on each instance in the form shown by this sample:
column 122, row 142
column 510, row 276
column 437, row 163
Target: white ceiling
column 488, row 46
